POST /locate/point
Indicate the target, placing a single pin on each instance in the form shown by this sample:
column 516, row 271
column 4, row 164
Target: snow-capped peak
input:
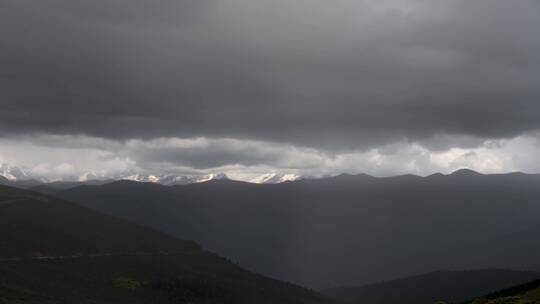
column 92, row 176
column 171, row 179
column 142, row 178
column 14, row 173
column 212, row 176
column 275, row 178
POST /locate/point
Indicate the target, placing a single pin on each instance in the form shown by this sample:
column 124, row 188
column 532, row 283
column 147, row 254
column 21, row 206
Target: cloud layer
column 58, row 158
column 297, row 85
column 351, row 74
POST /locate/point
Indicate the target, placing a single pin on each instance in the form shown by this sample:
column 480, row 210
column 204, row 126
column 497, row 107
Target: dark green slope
column 174, row 278
column 528, row 293
column 32, row 224
column 53, row 251
column 447, row 286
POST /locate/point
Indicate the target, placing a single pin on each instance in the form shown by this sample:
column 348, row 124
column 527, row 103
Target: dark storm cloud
column 205, row 153
column 346, row 74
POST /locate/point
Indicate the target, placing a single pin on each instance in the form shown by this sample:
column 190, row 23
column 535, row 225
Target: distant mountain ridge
column 18, row 176
column 21, row 176
column 276, row 178
column 346, row 229
column 172, row 179
column 446, row 286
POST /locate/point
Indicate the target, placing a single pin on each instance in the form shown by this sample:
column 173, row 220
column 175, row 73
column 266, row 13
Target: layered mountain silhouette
column 54, row 251
column 447, row 286
column 346, row 230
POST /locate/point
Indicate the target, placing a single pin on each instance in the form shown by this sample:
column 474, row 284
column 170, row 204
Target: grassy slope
column 40, row 235
column 179, row 278
column 33, row 224
column 522, row 294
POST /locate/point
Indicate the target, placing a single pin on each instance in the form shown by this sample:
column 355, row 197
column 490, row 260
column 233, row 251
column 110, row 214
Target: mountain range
column 371, row 240
column 347, row 230
column 23, row 177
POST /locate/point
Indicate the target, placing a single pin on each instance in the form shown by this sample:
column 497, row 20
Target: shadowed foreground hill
column 174, row 278
column 32, row 224
column 523, row 294
column 447, row 286
column 346, row 230
column 53, row 251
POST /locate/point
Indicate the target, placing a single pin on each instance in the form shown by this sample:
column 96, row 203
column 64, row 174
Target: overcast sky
column 248, row 87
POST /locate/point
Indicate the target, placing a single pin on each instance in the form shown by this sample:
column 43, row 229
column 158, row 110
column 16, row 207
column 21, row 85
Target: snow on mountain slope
column 275, row 178
column 172, row 179
column 14, row 173
column 209, row 177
